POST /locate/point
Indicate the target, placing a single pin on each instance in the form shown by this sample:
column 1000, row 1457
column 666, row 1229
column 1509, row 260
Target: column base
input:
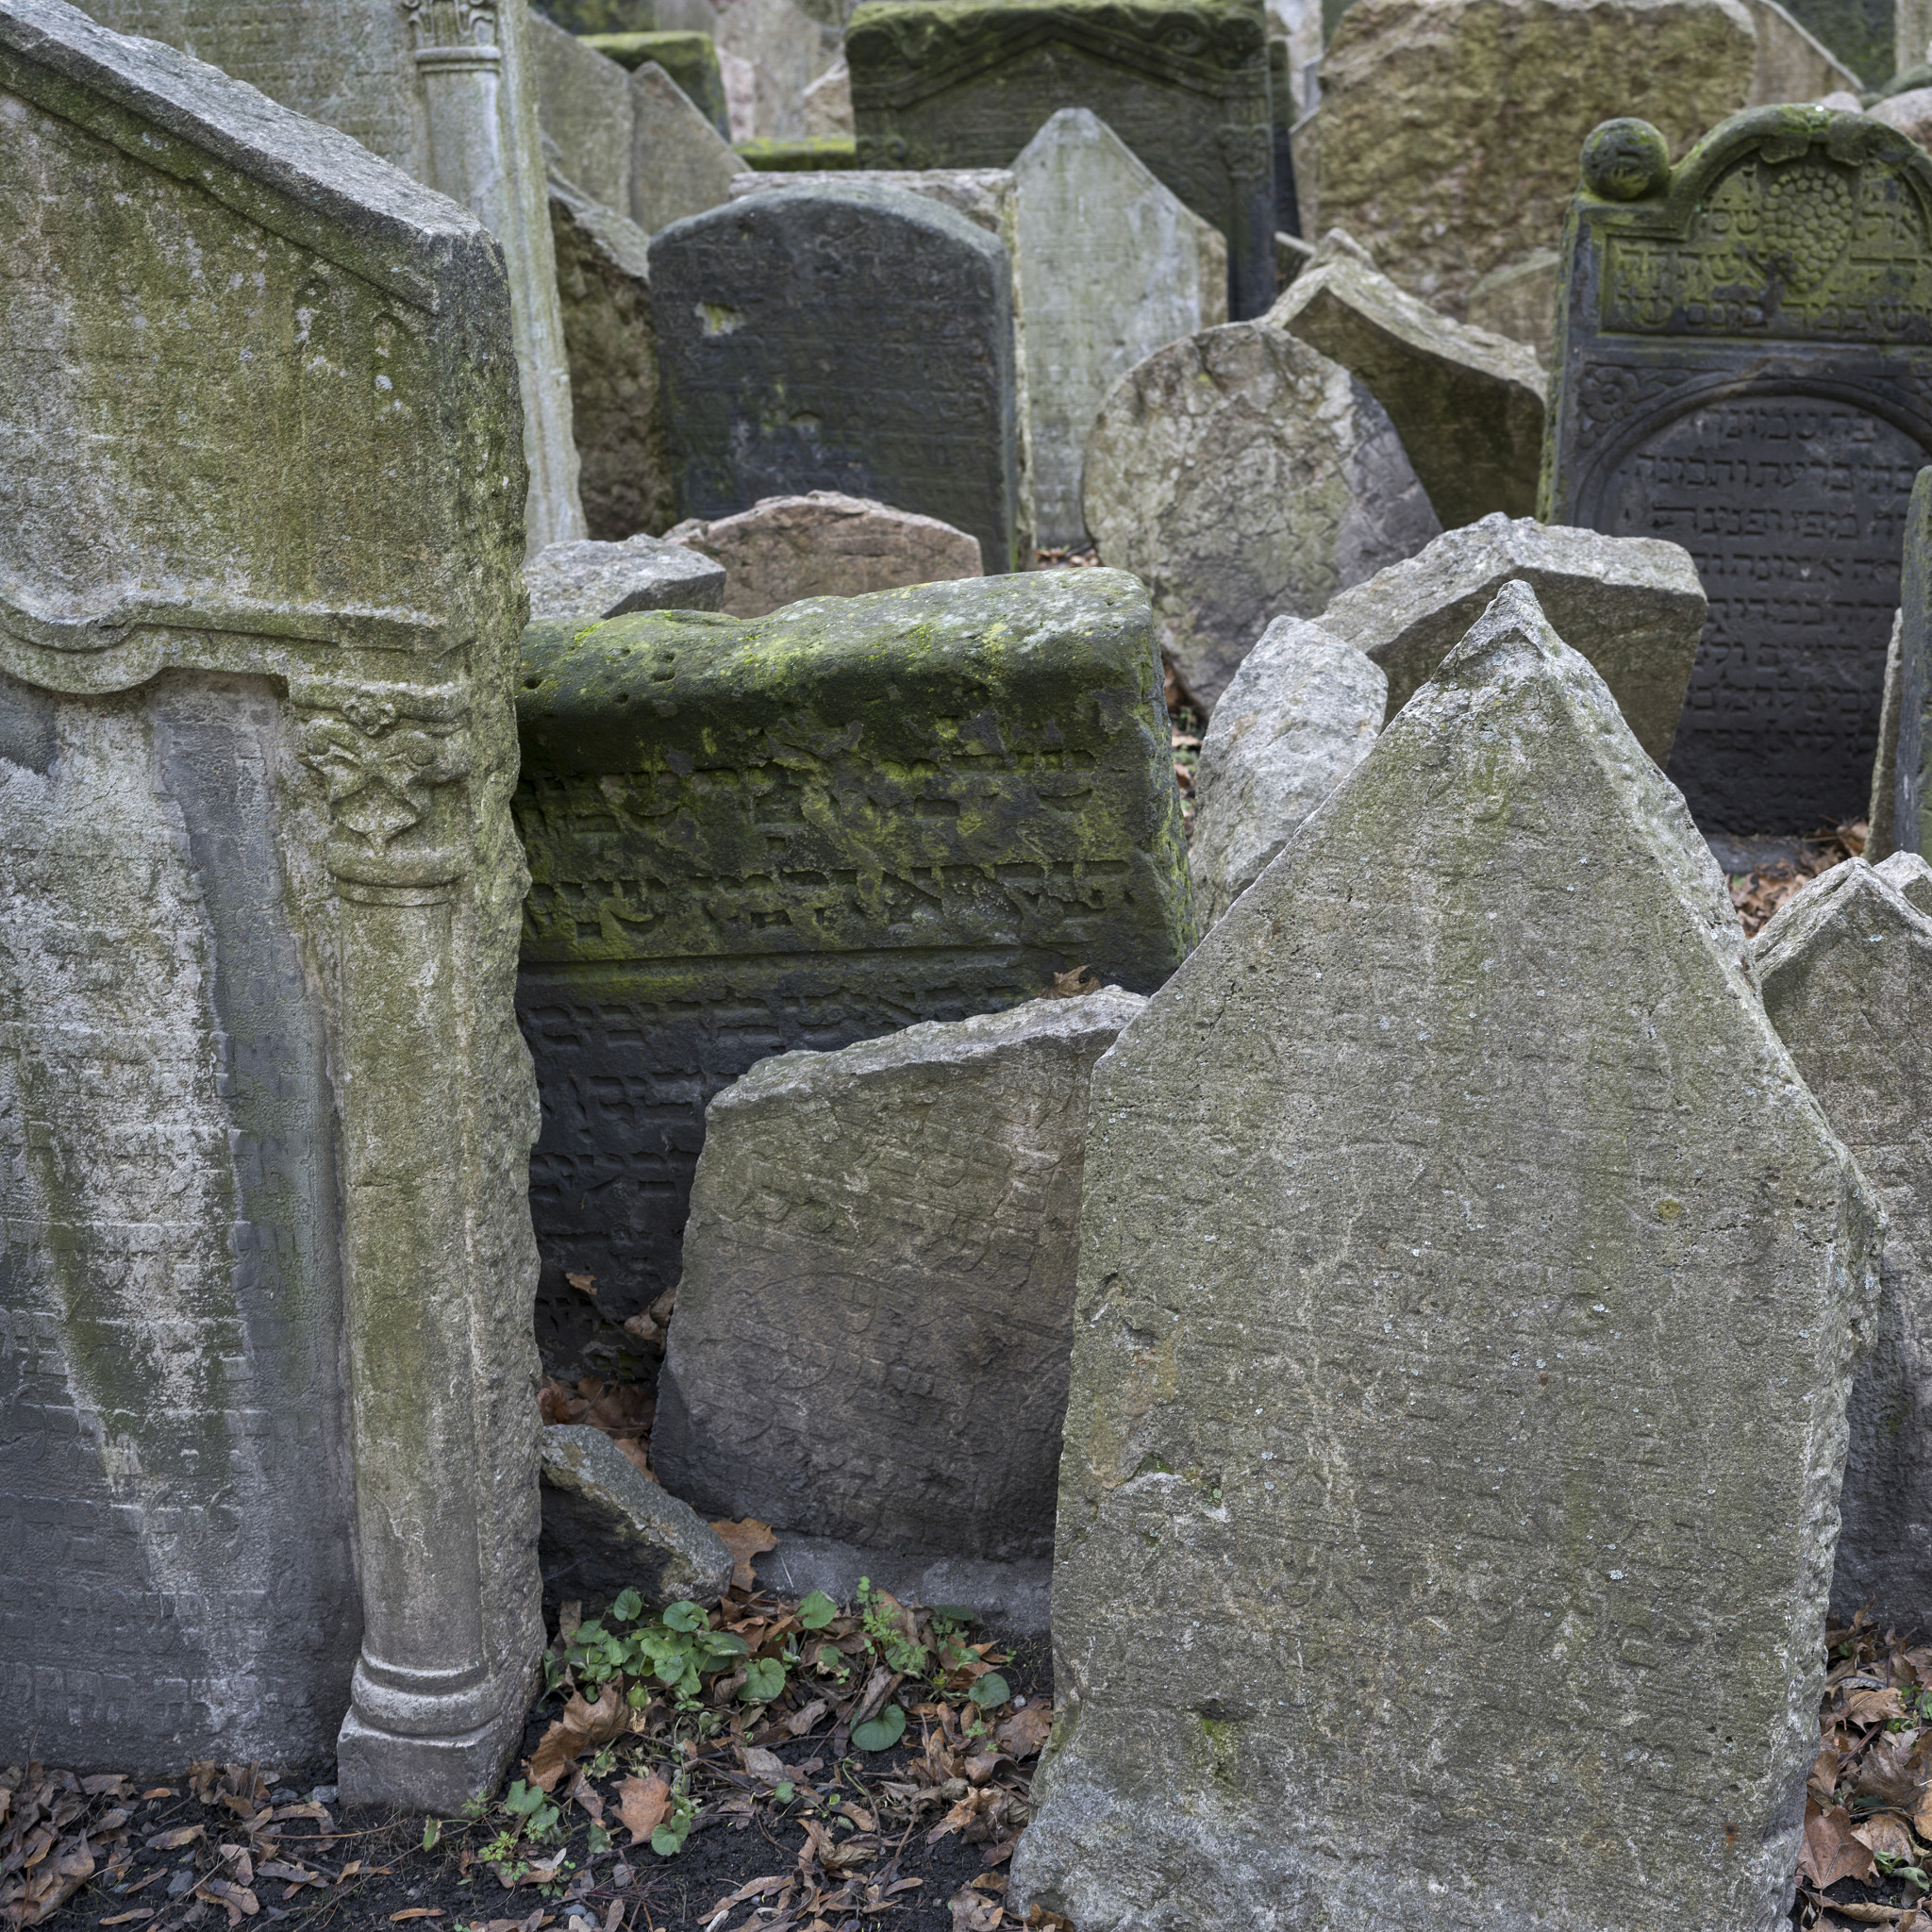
column 438, row 1774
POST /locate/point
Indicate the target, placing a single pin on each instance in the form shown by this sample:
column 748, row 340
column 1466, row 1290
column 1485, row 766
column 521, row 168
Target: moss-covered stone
column 689, row 58
column 800, row 155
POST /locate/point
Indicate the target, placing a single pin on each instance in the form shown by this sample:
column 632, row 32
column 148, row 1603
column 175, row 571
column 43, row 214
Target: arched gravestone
column 939, row 84
column 1744, row 366
column 857, row 339
column 265, row 1251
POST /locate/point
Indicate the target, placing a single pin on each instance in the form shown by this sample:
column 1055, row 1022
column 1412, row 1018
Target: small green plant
column 882, row 1732
column 668, row 1840
column 1897, row 1868
column 677, row 1649
column 886, row 1630
column 432, row 1830
column 765, row 1679
column 537, row 1814
column 816, row 1610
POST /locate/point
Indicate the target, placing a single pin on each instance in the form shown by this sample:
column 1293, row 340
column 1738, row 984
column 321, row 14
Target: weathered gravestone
column 1245, row 477
column 1519, row 300
column 940, row 84
column 914, row 406
column 1467, row 1298
column 264, row 1114
column 1904, row 740
column 583, row 109
column 829, row 103
column 1846, row 967
column 1744, row 366
column 1881, row 829
column 1792, row 64
column 1113, row 267
column 786, row 52
column 689, row 58
column 809, row 829
column 683, row 165
column 1299, row 714
column 442, row 89
column 1631, row 605
column 586, row 582
column 594, row 18
column 882, row 1243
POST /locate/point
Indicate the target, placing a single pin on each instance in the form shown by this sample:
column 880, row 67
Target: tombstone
column 444, row 92
column 588, row 582
column 829, row 103
column 1468, row 405
column 603, row 283
column 263, row 1110
column 915, row 409
column 1245, row 477
column 1468, row 1301
column 1632, row 606
column 583, row 108
column 1905, row 744
column 940, row 84
column 1765, row 402
column 1859, row 33
column 595, row 18
column 882, row 1242
column 809, row 829
column 1112, row 266
column 1507, row 90
column 689, row 58
column 786, row 52
column 788, row 548
column 1792, row 64
column 1519, row 300
column 1299, row 714
column 683, row 165
column 1282, row 95
column 1846, row 968
column 1910, row 112
column 1881, row 828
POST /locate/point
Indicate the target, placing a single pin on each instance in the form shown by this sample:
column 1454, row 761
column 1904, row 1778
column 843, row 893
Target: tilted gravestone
column 916, row 409
column 937, row 84
column 690, row 60
column 1469, row 1292
column 1744, row 366
column 807, row 829
column 682, row 165
column 786, row 51
column 584, row 111
column 443, row 90
column 1112, row 266
column 1904, row 740
column 264, row 1113
column 1846, row 966
column 882, row 1243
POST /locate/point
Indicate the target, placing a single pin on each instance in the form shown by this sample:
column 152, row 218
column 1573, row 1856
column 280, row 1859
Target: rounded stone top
column 1625, row 160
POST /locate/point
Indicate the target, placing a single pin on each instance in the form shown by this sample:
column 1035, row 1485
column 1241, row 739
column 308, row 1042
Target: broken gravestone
column 1465, row 1274
column 1299, row 714
column 788, row 548
column 1631, row 605
column 586, row 582
column 1245, row 477
column 916, row 409
column 1846, row 966
column 689, row 58
column 882, row 1243
column 683, row 164
column 802, row 830
column 264, row 1112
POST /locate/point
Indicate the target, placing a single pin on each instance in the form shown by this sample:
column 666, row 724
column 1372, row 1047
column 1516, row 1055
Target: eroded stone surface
column 583, row 106
column 828, row 102
column 1465, row 1273
column 1245, row 477
column 1299, row 714
column 586, row 582
column 683, row 165
column 1519, row 300
column 786, row 51
column 879, row 1239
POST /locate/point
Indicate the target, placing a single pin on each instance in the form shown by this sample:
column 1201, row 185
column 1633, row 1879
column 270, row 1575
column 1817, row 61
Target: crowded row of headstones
column 1459, row 1263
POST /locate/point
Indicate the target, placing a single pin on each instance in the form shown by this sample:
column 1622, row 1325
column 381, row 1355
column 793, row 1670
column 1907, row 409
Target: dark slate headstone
column 968, row 83
column 853, row 337
column 1744, row 366
column 747, row 834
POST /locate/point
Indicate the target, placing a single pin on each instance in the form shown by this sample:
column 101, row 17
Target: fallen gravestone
column 1519, row 300
column 809, row 829
column 1112, row 266
column 1631, row 605
column 1906, row 745
column 691, row 60
column 588, row 582
column 583, row 108
column 941, row 84
column 1299, row 714
column 1245, row 477
column 683, row 165
column 1745, row 367
column 264, row 1114
column 603, row 288
column 1465, row 1275
column 788, row 548
column 1506, row 90
column 1467, row 404
column 444, row 93
column 882, row 1243
column 608, row 1527
column 1846, row 968
column 917, row 407
column 786, row 52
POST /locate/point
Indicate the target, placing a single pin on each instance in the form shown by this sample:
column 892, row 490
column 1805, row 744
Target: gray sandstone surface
column 1470, row 1290
column 786, row 50
column 1881, row 837
column 683, row 165
column 586, row 582
column 583, row 108
column 1632, row 606
column 1519, row 300
column 1296, row 718
column 882, row 1245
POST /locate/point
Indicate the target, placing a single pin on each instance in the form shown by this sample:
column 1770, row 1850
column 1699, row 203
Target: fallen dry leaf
column 1886, row 1834
column 1831, row 1850
column 1865, row 1914
column 746, row 1540
column 1874, row 1707
column 973, row 1911
column 1025, row 1731
column 582, row 1728
column 766, row 1766
column 1071, row 985
column 584, row 1284
column 641, row 1804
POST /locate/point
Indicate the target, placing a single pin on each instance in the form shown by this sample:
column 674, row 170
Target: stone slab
column 1465, row 1274
column 1519, row 300
column 689, row 58
column 1245, row 477
column 1014, row 1598
column 1792, row 63
column 586, row 582
column 1633, row 606
column 591, row 18
column 1881, row 839
column 882, row 1242
column 829, row 103
column 683, row 165
column 786, row 51
column 583, row 108
column 1910, row 746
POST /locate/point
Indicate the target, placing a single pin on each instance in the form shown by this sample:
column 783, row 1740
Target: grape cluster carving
column 1808, row 213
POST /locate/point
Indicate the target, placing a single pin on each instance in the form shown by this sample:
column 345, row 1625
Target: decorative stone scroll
column 1744, row 366
column 939, row 84
column 263, row 1110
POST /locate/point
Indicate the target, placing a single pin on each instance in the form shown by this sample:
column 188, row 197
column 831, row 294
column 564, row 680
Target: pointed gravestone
column 1847, row 972
column 1467, row 1307
column 1904, row 742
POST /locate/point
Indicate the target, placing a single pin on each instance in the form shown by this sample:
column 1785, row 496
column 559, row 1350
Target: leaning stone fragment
column 1519, row 300
column 1297, row 717
column 1470, row 1290
column 683, row 165
column 1633, row 606
column 586, row 582
column 1881, row 834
